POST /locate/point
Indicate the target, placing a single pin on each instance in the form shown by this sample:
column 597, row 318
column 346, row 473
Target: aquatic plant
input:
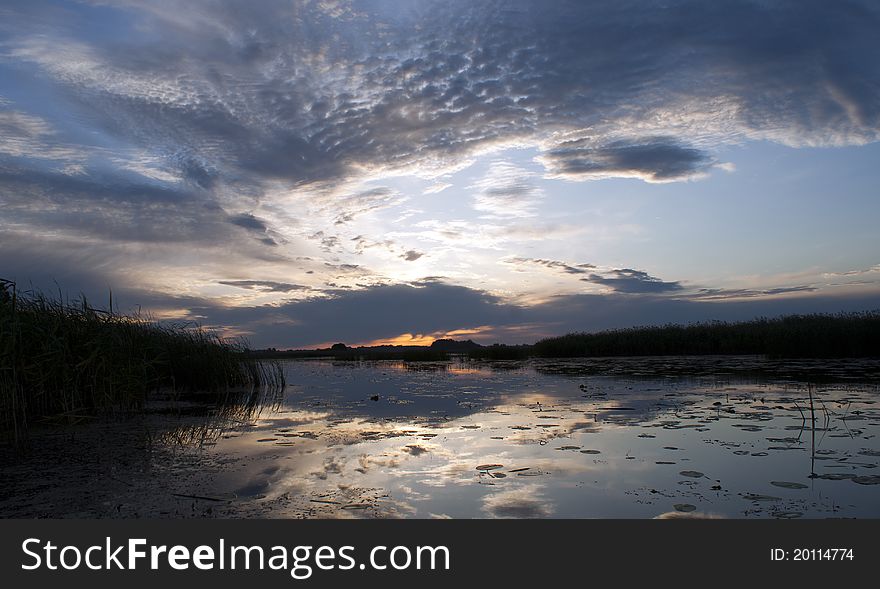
column 66, row 361
column 840, row 335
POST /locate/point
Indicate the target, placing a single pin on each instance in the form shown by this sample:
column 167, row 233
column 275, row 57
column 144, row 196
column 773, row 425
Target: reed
column 67, row 361
column 794, row 336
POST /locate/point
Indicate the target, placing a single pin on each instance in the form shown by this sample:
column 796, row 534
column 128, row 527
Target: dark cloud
column 630, row 281
column 245, row 94
column 386, row 311
column 655, row 159
column 412, row 255
column 556, row 265
column 113, row 206
column 380, row 311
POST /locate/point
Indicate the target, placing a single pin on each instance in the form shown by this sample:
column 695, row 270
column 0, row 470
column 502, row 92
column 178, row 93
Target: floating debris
column 758, row 497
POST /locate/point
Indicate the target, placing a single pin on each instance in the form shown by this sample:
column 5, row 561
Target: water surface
column 646, row 438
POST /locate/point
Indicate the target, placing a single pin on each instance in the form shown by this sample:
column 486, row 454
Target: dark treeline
column 406, row 353
column 796, row 336
column 843, row 335
column 61, row 361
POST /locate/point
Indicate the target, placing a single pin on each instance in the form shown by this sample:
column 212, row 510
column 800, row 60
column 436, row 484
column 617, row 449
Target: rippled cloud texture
column 306, row 171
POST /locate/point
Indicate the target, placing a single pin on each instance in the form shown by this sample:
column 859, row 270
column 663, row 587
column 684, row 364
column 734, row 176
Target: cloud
column 434, row 306
column 349, row 207
column 412, row 255
column 620, row 280
column 264, row 285
column 522, row 502
column 555, row 265
column 630, row 281
column 652, row 159
column 506, row 191
column 740, row 293
column 265, row 93
column 209, row 136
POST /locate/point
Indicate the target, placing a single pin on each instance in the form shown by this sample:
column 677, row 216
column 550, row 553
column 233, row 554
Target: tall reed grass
column 793, row 336
column 64, row 361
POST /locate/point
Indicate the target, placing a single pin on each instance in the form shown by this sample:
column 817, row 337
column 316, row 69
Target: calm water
column 536, row 439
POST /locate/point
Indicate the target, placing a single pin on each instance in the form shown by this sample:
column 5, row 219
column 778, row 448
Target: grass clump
column 65, row 361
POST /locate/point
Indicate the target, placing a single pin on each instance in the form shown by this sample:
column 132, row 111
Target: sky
column 302, row 172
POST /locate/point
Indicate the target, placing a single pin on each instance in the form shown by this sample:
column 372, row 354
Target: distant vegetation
column 501, row 352
column 343, row 352
column 62, row 361
column 795, row 336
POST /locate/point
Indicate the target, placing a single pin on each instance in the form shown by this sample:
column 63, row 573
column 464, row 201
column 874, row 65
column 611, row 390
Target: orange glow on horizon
column 425, row 339
column 404, row 339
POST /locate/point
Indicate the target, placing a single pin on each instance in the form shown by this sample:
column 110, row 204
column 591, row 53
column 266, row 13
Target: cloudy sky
column 304, row 172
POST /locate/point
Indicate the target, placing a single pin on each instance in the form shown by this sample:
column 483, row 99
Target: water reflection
column 391, row 439
column 559, row 444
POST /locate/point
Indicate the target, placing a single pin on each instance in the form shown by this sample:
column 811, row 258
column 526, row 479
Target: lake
column 714, row 437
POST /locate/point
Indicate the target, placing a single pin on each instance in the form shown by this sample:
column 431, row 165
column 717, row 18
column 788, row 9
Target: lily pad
column 788, row 485
column 685, row 507
column 486, row 467
column 867, row 480
column 694, row 474
column 835, row 476
column 590, row 452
